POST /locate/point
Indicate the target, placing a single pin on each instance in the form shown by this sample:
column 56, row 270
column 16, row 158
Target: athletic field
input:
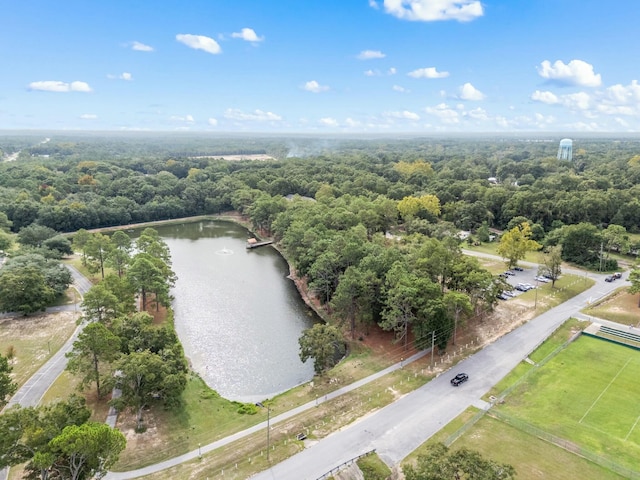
column 589, row 395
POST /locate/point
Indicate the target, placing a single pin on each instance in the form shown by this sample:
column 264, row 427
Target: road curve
column 30, row 394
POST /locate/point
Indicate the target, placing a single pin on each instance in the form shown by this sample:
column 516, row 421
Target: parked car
column 459, row 378
column 509, row 272
column 502, row 296
column 542, row 279
column 609, row 278
column 508, row 293
column 617, row 275
column 518, row 269
column 522, row 287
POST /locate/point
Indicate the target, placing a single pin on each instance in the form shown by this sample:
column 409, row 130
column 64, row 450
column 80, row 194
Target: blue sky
column 335, row 66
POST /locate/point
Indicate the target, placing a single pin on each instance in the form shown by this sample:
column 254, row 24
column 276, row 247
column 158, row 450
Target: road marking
column 604, row 391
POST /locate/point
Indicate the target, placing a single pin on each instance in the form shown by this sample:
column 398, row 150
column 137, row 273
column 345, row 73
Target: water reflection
column 238, row 316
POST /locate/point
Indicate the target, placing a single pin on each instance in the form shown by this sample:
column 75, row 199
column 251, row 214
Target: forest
column 337, row 207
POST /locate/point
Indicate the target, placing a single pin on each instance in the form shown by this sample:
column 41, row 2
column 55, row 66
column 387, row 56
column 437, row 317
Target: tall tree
column 440, row 463
column 100, row 304
column 323, row 343
column 7, row 385
column 95, row 348
column 86, row 451
column 25, row 432
column 120, row 255
column 634, row 278
column 552, row 261
column 146, row 378
column 24, row 290
column 97, row 250
column 515, row 244
column 458, row 305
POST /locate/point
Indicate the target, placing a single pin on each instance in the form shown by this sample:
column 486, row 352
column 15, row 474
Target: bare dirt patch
column 34, row 339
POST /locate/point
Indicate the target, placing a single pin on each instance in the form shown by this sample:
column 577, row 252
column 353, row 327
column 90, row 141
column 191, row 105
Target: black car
column 609, row 278
column 518, row 269
column 459, row 378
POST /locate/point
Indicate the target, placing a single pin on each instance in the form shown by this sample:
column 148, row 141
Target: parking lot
column 527, row 276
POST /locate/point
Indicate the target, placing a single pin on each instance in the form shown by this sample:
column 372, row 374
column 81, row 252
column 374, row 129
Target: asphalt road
column 394, row 431
column 398, row 429
column 30, row 394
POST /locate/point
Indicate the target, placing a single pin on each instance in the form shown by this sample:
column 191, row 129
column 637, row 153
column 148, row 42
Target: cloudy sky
column 326, row 66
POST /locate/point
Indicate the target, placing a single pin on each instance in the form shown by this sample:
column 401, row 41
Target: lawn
column 620, row 306
column 34, row 339
column 587, row 394
column 532, row 457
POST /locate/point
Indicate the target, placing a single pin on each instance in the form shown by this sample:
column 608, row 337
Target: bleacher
column 630, row 336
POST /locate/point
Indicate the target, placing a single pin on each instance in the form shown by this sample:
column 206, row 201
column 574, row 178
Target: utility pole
column 433, row 344
column 260, row 404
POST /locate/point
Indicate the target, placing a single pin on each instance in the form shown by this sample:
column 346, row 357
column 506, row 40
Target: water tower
column 565, row 152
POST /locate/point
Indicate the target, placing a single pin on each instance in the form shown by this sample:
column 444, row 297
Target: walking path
column 394, row 431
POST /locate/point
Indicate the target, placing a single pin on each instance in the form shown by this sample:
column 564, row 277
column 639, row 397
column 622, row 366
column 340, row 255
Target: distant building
column 565, row 152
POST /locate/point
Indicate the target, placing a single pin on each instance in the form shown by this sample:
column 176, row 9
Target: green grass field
column 588, row 395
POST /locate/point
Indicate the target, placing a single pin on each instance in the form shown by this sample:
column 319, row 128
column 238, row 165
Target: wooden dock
column 253, row 243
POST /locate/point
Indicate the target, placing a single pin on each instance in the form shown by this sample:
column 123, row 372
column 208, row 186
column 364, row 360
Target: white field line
column 632, row 428
column 604, row 391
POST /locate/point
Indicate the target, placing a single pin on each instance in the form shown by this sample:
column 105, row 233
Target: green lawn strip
column 206, row 417
column 619, row 306
column 248, row 455
column 373, row 468
column 532, row 457
column 553, row 345
column 491, row 248
column 585, row 395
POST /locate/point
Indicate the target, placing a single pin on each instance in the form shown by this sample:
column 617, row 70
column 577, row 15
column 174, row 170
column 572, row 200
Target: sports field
column 588, row 394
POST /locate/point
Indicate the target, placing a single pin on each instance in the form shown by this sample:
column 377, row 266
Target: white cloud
column 429, row 72
column 445, row 113
column 179, row 118
column 576, row 72
column 469, row 92
column 329, row 122
column 213, row 122
column 248, row 35
column 577, row 101
column 478, row 114
column 88, row 116
column 403, row 115
column 140, row 47
column 199, row 42
column 56, row 86
column 392, row 71
column 398, row 88
column 373, row 4
column 433, row 10
column 123, row 76
column 314, row 87
column 370, row 54
column 372, row 73
column 350, row 122
column 255, row 116
column 547, row 97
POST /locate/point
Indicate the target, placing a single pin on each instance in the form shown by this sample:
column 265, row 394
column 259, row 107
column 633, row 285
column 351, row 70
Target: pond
column 237, row 314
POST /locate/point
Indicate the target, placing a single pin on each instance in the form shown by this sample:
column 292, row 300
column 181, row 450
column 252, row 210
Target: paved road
column 401, row 427
column 391, row 431
column 30, row 394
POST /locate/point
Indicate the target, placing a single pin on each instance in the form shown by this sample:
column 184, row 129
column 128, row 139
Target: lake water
column 237, row 315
